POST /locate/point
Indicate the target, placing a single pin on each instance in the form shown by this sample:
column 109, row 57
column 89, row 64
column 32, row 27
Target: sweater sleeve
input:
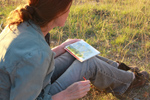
column 29, row 75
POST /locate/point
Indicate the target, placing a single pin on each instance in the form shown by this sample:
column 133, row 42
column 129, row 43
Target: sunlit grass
column 112, row 25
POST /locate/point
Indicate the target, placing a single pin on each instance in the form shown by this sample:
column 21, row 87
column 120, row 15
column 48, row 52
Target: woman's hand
column 77, row 90
column 69, row 41
column 60, row 49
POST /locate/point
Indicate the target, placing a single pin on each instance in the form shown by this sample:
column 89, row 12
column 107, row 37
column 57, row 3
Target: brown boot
column 141, row 78
column 123, row 66
column 134, row 69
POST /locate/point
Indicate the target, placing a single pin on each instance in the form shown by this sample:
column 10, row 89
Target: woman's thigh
column 62, row 63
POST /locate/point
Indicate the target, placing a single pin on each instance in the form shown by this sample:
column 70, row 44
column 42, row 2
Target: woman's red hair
column 44, row 11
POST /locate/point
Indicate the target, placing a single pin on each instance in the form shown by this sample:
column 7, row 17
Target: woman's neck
column 47, row 28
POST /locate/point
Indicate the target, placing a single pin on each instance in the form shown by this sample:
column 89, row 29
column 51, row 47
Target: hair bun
column 30, row 9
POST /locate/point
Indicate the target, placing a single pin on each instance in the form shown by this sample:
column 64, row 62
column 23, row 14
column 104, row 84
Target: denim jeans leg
column 62, row 63
column 111, row 62
column 100, row 73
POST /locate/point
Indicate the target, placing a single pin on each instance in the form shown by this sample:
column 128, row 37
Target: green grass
column 119, row 29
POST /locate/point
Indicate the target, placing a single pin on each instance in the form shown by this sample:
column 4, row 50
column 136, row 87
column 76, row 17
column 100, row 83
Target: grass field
column 119, row 29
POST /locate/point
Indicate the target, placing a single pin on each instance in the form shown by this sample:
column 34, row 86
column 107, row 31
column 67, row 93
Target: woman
column 30, row 70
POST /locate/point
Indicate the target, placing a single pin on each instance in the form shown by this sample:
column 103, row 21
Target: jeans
column 102, row 72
